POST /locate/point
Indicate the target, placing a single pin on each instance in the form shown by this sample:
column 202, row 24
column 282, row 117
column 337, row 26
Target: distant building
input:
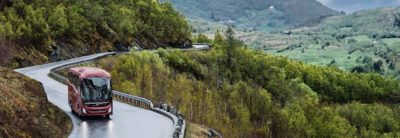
column 287, row 32
column 271, row 7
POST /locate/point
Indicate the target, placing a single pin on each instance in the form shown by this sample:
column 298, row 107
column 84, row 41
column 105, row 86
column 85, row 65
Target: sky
column 350, row 6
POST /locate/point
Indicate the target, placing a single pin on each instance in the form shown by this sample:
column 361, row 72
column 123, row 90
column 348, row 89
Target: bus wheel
column 80, row 114
column 107, row 117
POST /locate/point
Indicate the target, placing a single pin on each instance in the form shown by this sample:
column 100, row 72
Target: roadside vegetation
column 47, row 30
column 25, row 111
column 246, row 93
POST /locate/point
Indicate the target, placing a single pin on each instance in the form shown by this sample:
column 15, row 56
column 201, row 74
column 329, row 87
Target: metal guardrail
column 174, row 115
column 133, row 100
column 214, row 133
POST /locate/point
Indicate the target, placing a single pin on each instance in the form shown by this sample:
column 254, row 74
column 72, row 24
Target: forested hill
column 255, row 14
column 37, row 31
column 364, row 41
column 244, row 93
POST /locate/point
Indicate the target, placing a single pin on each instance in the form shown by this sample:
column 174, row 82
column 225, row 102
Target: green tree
column 76, row 21
column 58, row 20
column 122, row 20
column 218, row 38
column 201, row 38
column 371, row 120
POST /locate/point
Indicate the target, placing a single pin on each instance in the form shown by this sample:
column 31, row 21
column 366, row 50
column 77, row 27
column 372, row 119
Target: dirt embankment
column 196, row 131
column 25, row 110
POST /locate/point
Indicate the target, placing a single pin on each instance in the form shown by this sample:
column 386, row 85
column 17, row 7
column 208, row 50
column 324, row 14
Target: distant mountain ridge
column 350, row 6
column 255, row 14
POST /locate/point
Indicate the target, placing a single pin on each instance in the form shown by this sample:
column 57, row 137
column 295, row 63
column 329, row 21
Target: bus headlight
column 110, row 110
column 84, row 110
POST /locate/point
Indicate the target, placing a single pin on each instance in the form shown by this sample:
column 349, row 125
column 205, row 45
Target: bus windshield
column 96, row 89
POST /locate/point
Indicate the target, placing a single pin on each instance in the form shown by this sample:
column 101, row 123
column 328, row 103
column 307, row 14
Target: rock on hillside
column 25, row 111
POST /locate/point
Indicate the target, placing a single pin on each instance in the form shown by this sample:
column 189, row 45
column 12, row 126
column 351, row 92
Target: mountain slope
column 255, row 14
column 38, row 31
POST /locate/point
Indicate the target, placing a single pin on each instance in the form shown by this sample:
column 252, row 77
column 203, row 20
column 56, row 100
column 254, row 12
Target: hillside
column 246, row 93
column 36, row 31
column 264, row 15
column 365, row 41
column 25, row 111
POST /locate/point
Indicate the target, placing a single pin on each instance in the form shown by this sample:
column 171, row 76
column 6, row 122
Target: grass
column 393, row 43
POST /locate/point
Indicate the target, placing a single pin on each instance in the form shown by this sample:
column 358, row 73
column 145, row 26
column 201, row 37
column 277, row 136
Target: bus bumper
column 97, row 111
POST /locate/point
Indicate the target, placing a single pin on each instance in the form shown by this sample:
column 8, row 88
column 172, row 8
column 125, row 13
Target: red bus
column 90, row 92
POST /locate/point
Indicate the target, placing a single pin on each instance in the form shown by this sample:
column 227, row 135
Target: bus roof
column 89, row 72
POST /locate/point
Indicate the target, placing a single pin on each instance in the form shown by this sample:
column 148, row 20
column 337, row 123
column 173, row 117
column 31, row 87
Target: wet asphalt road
column 126, row 122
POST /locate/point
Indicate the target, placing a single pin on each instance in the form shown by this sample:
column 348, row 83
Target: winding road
column 126, row 122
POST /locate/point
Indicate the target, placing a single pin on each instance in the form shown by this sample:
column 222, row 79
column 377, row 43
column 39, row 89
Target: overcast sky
column 355, row 5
